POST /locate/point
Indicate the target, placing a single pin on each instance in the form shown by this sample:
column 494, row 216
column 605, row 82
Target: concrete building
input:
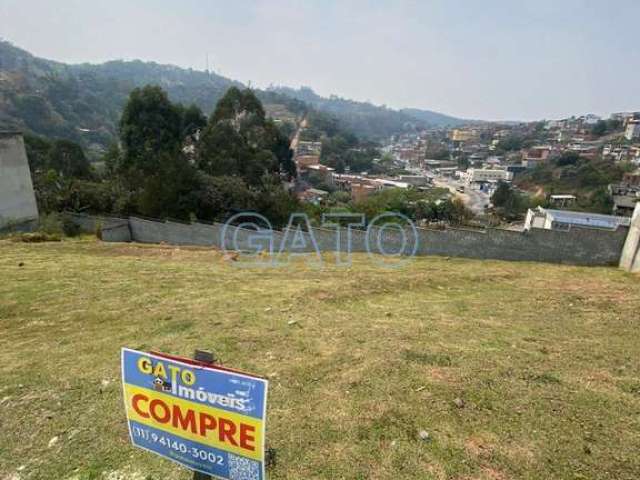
column 313, row 195
column 535, row 156
column 632, row 178
column 481, row 175
column 322, row 171
column 548, row 219
column 632, row 131
column 626, row 194
column 308, row 148
column 304, row 161
column 361, row 190
column 416, row 180
column 562, row 201
column 463, row 134
column 17, row 198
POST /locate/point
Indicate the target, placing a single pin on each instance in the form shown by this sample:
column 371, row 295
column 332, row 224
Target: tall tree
column 153, row 163
column 150, row 126
column 240, row 140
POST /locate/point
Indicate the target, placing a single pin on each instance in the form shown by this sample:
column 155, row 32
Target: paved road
column 475, row 200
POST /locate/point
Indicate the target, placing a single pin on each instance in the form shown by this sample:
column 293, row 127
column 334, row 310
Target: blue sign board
column 206, row 418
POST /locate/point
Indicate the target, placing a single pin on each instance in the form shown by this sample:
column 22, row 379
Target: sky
column 490, row 59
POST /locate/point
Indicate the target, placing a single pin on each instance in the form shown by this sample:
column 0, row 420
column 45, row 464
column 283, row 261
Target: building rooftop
column 587, row 219
column 316, row 191
column 563, row 197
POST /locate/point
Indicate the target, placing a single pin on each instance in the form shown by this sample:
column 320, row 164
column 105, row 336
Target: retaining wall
column 580, row 246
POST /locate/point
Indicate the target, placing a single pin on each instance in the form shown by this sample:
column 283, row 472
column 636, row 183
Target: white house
column 488, row 175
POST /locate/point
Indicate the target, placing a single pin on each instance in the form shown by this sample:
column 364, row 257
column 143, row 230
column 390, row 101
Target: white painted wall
column 17, row 199
column 630, row 259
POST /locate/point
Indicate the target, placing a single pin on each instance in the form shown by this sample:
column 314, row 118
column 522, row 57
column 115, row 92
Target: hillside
column 542, row 383
column 83, row 102
column 368, row 120
column 434, row 118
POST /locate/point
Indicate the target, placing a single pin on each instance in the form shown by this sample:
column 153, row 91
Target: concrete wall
column 17, row 199
column 116, row 233
column 630, row 258
column 579, row 246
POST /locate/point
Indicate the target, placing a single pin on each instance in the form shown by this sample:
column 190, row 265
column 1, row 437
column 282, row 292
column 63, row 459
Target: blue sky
column 496, row 60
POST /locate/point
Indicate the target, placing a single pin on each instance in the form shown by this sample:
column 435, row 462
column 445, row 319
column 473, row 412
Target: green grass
column 545, row 357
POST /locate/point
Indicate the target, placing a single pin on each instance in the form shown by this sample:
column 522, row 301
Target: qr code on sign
column 241, row 468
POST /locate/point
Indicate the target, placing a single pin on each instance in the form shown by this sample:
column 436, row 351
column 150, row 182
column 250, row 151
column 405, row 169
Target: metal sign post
column 203, row 356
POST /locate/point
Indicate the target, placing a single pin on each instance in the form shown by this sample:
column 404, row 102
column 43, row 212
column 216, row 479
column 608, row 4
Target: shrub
column 69, row 227
column 51, row 224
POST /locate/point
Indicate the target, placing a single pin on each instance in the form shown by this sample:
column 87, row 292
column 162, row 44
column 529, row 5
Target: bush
column 51, row 224
column 70, row 228
column 57, row 225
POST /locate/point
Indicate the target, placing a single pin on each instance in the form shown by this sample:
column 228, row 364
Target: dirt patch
column 478, row 447
column 493, row 474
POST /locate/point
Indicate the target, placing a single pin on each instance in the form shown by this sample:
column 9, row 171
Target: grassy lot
column 544, row 358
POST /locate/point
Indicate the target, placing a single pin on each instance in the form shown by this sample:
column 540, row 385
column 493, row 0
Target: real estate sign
column 206, row 418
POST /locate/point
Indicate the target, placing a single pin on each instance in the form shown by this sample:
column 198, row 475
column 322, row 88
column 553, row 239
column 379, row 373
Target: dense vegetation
column 422, row 207
column 341, row 148
column 83, row 103
column 174, row 162
column 367, row 120
column 571, row 173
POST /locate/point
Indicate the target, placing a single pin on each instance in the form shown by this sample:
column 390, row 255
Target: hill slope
column 83, row 102
column 433, row 118
column 359, row 359
column 368, row 120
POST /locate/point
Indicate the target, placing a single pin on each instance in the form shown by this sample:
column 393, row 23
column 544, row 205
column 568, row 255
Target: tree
column 568, row 158
column 68, row 158
column 193, row 120
column 239, row 140
column 509, row 203
column 600, row 128
column 62, row 156
column 149, row 127
column 238, row 106
column 152, row 133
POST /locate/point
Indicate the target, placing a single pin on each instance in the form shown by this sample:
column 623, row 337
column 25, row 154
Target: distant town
column 472, row 161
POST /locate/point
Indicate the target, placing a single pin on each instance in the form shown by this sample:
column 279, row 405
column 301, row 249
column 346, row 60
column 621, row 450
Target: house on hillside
column 533, row 157
column 562, row 201
column 313, row 195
